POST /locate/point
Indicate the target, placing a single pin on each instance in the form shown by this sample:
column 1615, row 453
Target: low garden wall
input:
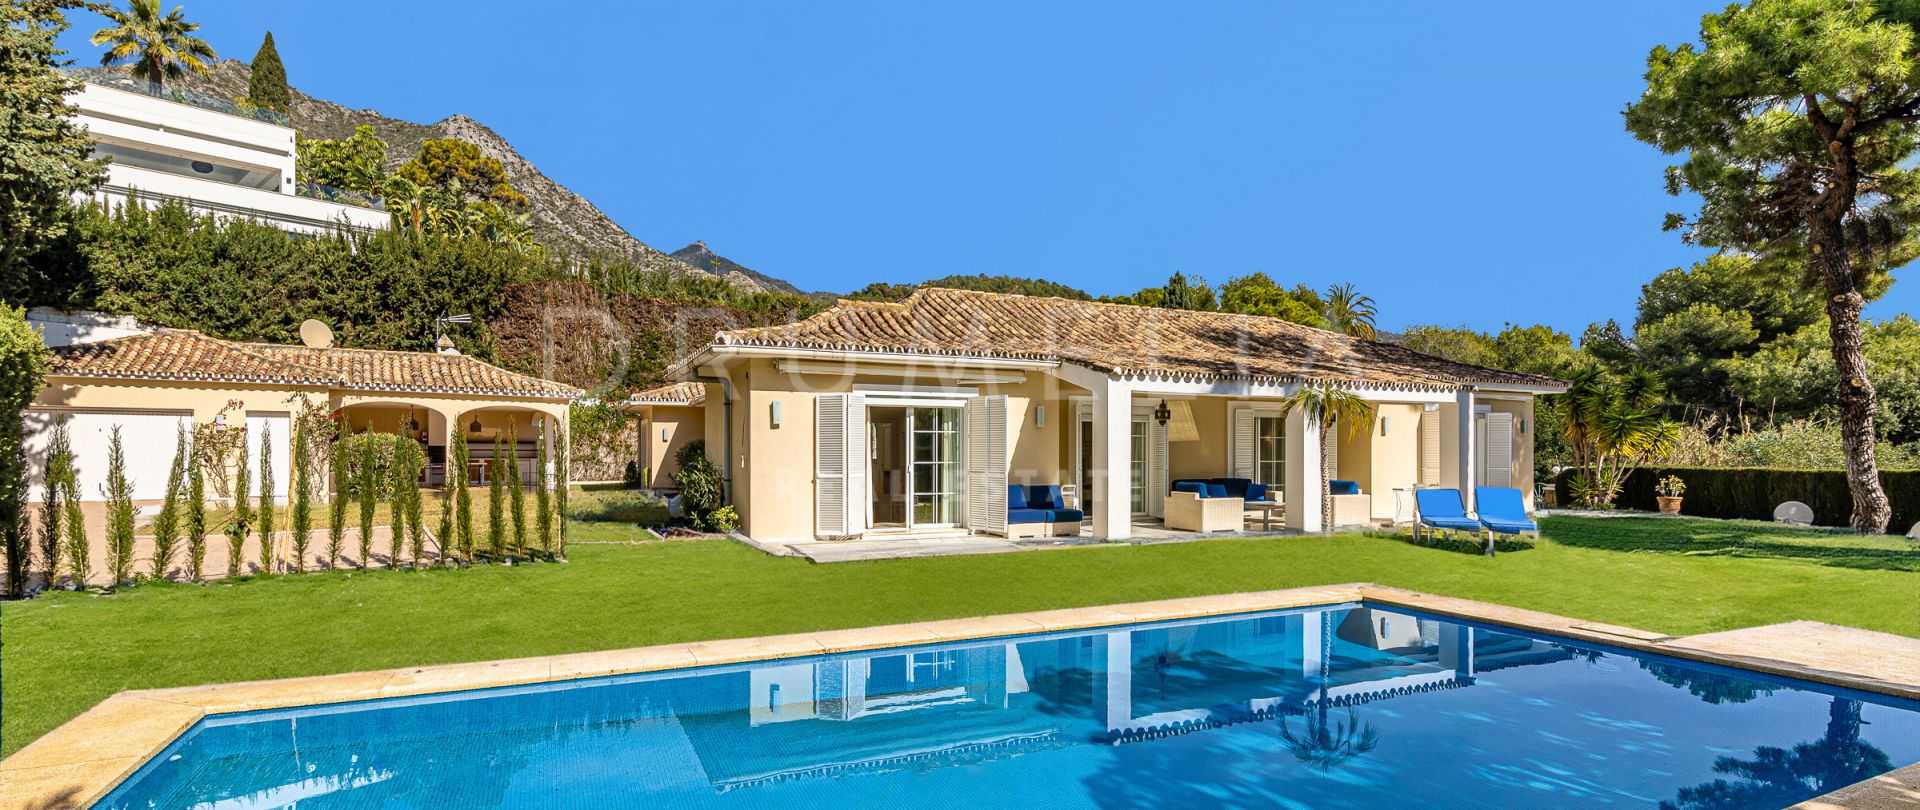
column 1752, row 493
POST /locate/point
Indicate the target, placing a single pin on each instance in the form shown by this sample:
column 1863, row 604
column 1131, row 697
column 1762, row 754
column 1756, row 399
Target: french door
column 933, row 460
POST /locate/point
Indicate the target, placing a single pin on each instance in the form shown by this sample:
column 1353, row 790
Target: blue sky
column 1461, row 166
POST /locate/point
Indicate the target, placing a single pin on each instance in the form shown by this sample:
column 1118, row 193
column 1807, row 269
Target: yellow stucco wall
column 664, row 430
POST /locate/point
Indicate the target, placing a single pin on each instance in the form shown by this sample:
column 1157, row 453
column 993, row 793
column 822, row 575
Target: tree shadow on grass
column 1734, row 539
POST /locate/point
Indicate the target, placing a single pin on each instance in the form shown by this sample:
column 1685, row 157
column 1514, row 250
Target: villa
column 210, row 154
column 962, row 412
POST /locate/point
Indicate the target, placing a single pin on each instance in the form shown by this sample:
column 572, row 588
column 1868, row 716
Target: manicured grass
column 66, row 652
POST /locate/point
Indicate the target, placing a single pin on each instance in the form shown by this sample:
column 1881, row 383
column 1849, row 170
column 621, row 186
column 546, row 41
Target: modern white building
column 213, row 155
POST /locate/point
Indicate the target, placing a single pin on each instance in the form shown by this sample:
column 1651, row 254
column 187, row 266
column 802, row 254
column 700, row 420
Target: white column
column 1117, row 700
column 1303, row 448
column 1456, row 650
column 1312, row 655
column 1469, row 445
column 1111, row 467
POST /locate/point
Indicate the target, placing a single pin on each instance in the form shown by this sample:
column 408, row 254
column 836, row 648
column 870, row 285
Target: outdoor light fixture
column 1385, row 424
column 202, row 167
column 1162, row 413
column 475, row 427
column 1039, row 416
column 1523, row 427
column 663, row 434
column 776, row 413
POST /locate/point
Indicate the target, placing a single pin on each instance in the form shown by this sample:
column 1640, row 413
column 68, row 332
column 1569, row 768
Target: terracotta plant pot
column 1668, row 506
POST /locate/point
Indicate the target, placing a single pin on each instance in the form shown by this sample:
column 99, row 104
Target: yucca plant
column 516, row 492
column 300, row 491
column 1612, row 424
column 368, row 486
column 119, row 493
column 496, row 504
column 52, row 506
column 543, row 499
column 242, row 517
column 166, row 525
column 264, row 514
column 195, row 514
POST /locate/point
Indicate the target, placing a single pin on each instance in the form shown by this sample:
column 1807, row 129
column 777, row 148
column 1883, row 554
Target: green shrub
column 1464, row 544
column 1752, row 493
column 23, row 361
column 701, row 490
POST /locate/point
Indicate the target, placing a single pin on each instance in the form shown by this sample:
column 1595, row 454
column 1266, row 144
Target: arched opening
column 482, row 426
column 428, row 427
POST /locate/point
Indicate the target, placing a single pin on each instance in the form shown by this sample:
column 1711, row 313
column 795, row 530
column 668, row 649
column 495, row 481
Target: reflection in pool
column 1349, row 706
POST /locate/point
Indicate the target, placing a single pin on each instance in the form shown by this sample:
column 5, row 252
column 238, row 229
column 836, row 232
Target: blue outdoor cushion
column 1256, row 492
column 1216, row 490
column 1065, row 516
column 1194, row 487
column 1046, row 496
column 1340, row 487
column 1027, row 516
column 1016, row 496
column 1511, row 526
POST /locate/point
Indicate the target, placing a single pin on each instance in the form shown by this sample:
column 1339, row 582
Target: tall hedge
column 1752, row 493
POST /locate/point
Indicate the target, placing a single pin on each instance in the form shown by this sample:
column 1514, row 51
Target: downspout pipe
column 726, row 429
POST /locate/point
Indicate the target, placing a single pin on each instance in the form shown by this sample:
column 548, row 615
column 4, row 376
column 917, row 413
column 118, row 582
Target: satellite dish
column 315, row 334
column 1794, row 513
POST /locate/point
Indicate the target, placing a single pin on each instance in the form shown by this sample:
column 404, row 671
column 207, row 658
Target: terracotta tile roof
column 182, row 354
column 683, row 393
column 1125, row 341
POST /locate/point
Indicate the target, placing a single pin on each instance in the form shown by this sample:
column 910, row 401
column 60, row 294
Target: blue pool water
column 1347, row 706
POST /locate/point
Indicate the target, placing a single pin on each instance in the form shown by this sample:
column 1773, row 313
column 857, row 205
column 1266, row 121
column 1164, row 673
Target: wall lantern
column 1039, row 416
column 775, row 408
column 663, row 434
column 475, row 427
column 220, row 420
column 1523, row 427
column 1386, row 425
column 1162, row 413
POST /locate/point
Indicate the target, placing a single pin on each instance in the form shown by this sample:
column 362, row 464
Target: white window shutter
column 839, row 465
column 987, row 464
column 1499, row 450
column 1243, row 441
column 1156, row 468
column 1430, row 448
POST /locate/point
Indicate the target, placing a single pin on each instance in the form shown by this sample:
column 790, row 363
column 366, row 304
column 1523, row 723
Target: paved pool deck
column 81, row 761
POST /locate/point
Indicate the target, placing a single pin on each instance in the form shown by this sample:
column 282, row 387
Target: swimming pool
column 1345, row 706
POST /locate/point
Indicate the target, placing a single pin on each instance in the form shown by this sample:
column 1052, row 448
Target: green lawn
column 65, row 652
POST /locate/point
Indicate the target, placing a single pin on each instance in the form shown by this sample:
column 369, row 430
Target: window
column 1269, row 451
column 1139, row 481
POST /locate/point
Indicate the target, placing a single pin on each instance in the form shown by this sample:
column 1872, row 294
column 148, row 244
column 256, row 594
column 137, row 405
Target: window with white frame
column 1270, row 451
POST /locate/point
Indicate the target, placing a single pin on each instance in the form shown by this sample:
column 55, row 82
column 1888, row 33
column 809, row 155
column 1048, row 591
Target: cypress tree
column 416, row 528
column 563, row 475
column 516, row 493
column 267, row 87
column 446, row 527
column 496, row 504
column 79, row 557
column 196, row 522
column 265, row 512
column 543, row 500
column 337, row 509
column 166, row 525
column 119, row 492
column 397, row 498
column 242, row 511
column 462, row 496
column 52, row 511
column 300, row 488
column 369, row 487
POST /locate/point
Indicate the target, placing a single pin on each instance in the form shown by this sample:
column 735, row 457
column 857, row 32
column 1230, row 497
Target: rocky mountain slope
column 702, row 257
column 560, row 218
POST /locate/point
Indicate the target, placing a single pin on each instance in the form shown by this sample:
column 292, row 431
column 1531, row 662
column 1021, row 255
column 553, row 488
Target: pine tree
column 242, row 511
column 52, row 510
column 496, row 504
column 268, row 85
column 369, row 491
column 119, row 492
column 543, row 499
column 516, row 492
column 196, row 522
column 166, row 525
column 300, row 488
column 265, row 512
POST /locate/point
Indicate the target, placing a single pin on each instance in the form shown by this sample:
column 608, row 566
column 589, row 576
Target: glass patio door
column 933, row 456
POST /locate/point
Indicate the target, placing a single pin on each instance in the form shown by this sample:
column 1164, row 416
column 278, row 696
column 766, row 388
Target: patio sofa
column 1038, row 510
column 1202, row 506
column 1351, row 507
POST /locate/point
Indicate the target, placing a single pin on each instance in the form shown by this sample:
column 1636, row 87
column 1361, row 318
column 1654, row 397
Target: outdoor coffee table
column 1266, row 510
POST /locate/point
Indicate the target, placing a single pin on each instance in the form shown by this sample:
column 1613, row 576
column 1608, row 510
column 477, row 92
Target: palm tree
column 1350, row 313
column 159, row 48
column 1326, row 743
column 1327, row 405
column 1612, row 424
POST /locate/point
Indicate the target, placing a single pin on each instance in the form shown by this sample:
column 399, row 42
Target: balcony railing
column 322, row 191
column 181, row 95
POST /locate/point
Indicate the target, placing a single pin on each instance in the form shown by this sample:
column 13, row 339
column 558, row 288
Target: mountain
column 702, row 257
column 560, row 218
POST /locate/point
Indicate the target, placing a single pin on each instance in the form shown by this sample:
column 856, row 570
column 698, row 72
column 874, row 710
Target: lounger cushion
column 1192, row 487
column 1511, row 526
column 1459, row 523
column 1016, row 496
column 1340, row 487
column 1028, row 516
column 1065, row 516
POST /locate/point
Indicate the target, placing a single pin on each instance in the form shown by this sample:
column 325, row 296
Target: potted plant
column 1668, row 493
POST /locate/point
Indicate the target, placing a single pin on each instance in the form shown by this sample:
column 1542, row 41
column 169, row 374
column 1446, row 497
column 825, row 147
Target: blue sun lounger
column 1504, row 511
column 1441, row 509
